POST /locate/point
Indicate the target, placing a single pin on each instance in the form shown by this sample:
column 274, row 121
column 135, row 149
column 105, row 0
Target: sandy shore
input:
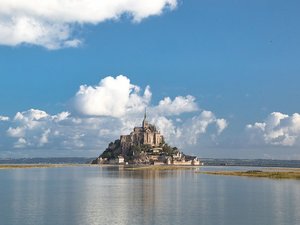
column 274, row 173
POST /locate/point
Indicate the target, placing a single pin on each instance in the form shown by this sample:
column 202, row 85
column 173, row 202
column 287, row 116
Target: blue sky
column 239, row 59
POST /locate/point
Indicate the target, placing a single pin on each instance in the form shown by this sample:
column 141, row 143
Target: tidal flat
column 273, row 173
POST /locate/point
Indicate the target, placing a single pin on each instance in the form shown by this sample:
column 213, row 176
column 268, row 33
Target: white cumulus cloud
column 277, row 129
column 112, row 97
column 4, row 118
column 192, row 129
column 51, row 23
column 177, row 106
column 20, row 143
column 118, row 97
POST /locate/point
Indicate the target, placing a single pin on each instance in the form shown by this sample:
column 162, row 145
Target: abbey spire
column 145, row 122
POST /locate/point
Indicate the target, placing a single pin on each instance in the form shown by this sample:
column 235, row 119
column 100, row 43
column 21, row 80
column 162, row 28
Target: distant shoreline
column 30, row 166
column 126, row 167
column 265, row 172
column 207, row 161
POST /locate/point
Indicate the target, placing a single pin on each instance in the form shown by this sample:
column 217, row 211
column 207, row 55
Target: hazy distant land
column 29, row 166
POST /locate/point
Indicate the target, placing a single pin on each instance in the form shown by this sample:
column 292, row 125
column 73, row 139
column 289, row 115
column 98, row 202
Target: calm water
column 92, row 195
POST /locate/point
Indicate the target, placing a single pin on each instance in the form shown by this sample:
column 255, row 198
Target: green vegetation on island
column 136, row 152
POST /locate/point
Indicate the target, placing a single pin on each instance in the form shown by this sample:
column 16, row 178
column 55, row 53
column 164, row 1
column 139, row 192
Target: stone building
column 147, row 134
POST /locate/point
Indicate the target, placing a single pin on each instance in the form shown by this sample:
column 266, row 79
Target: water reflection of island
column 152, row 193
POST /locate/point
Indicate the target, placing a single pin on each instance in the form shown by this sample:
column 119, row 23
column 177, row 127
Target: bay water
column 111, row 195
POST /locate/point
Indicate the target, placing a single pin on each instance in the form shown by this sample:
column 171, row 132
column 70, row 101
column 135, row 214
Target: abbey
column 147, row 134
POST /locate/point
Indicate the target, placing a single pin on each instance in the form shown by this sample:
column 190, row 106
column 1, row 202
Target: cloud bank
column 36, row 129
column 277, row 129
column 52, row 23
column 105, row 111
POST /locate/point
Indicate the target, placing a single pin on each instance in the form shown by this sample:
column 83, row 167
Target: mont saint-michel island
column 144, row 145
